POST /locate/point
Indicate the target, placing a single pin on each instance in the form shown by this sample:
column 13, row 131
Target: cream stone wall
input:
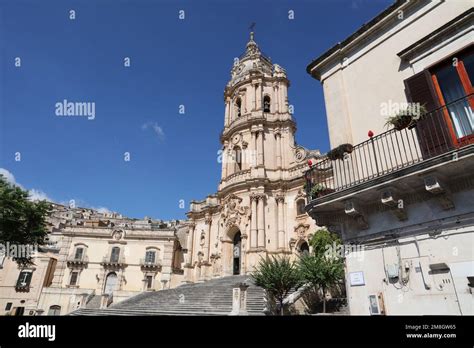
column 431, row 293
column 9, row 273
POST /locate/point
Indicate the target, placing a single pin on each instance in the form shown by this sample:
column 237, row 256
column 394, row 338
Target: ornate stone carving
column 117, row 235
column 300, row 230
column 280, row 198
column 301, row 194
column 300, row 154
column 233, row 212
column 202, row 238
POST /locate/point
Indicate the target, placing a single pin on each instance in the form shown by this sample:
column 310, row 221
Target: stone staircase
column 213, row 297
column 94, row 302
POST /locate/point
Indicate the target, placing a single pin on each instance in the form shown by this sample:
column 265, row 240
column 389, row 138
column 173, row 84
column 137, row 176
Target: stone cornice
column 79, row 231
column 227, row 133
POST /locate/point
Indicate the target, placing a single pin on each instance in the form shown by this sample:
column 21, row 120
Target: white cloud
column 34, row 194
column 8, row 176
column 156, row 128
column 102, row 210
column 37, row 195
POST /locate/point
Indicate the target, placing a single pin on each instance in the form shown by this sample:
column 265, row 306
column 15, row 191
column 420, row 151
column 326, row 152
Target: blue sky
column 174, row 62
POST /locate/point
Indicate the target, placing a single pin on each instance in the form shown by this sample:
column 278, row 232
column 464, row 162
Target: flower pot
column 402, row 122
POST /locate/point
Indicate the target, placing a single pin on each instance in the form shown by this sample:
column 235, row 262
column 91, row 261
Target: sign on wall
column 356, row 278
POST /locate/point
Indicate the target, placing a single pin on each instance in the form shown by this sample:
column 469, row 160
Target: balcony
column 73, row 261
column 113, row 262
column 23, row 287
column 150, row 265
column 362, row 171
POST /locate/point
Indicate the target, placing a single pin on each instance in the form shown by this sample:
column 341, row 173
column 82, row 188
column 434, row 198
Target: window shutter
column 28, row 278
column 432, row 130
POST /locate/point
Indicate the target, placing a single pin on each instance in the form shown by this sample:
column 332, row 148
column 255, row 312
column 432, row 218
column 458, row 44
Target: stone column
column 254, row 96
column 166, row 268
column 254, row 149
column 284, row 96
column 261, row 221
column 253, row 221
column 260, row 148
column 189, row 244
column 227, row 109
column 231, row 110
column 229, row 161
column 207, row 238
column 278, row 149
column 276, row 98
column 280, row 200
column 259, row 96
column 224, row 160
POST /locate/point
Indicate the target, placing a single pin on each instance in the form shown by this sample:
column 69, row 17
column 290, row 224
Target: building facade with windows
column 404, row 192
column 92, row 260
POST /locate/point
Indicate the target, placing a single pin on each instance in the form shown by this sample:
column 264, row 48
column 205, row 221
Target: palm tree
column 277, row 276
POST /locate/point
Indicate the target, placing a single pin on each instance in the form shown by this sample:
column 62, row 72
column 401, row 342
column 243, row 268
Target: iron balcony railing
column 433, row 134
column 150, row 263
column 113, row 260
column 73, row 259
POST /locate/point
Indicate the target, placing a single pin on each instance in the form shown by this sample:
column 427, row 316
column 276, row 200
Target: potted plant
column 406, row 118
column 338, row 152
column 320, row 190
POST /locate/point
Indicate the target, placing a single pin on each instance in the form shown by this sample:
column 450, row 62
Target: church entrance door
column 237, row 251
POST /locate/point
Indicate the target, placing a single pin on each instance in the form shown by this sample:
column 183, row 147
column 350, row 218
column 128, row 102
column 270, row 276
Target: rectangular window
column 453, row 85
column 8, row 306
column 150, row 257
column 24, row 279
column 114, row 256
column 74, row 276
column 79, row 253
column 149, row 282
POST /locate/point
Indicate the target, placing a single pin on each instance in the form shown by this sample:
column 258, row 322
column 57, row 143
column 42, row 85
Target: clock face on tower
column 236, row 138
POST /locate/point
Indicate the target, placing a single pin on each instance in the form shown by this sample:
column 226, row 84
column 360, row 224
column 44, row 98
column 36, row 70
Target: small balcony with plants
column 419, row 152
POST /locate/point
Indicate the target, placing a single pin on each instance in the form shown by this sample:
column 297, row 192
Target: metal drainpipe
column 455, row 291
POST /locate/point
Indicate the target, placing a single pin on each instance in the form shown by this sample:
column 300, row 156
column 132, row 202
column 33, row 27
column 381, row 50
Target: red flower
column 310, row 163
column 370, row 134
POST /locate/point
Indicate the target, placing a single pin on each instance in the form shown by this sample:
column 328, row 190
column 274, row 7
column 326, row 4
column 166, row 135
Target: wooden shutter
column 432, row 130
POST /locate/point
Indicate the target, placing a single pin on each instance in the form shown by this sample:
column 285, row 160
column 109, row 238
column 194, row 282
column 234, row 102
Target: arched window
column 300, row 204
column 238, row 107
column 54, row 310
column 266, row 104
column 114, row 255
column 304, row 248
column 237, row 159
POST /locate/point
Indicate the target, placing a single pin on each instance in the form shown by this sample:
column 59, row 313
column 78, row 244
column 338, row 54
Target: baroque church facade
column 93, row 260
column 258, row 210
